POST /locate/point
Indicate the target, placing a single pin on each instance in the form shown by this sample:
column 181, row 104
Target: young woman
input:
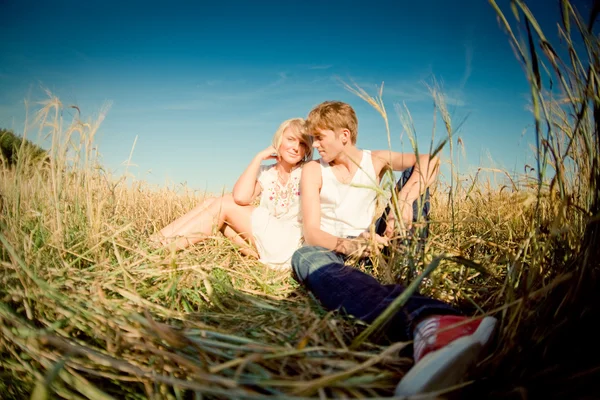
column 273, row 230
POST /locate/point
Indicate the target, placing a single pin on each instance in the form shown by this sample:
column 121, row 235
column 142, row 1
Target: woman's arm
column 246, row 188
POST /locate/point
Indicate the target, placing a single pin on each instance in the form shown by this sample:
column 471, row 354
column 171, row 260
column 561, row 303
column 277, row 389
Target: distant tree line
column 10, row 145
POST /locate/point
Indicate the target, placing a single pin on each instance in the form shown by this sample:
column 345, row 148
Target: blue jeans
column 338, row 286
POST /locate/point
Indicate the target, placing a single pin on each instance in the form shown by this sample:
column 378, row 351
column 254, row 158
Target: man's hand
column 375, row 243
column 362, row 246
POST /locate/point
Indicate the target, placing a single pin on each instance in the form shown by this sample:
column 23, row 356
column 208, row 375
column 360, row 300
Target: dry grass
column 89, row 310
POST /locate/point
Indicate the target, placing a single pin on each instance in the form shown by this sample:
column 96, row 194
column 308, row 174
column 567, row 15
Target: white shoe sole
column 485, row 331
column 447, row 366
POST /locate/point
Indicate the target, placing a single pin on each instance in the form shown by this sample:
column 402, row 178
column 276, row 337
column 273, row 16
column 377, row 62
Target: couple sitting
column 331, row 204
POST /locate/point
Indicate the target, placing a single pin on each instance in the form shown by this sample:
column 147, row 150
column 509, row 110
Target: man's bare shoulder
column 392, row 159
column 379, row 153
column 380, row 158
column 383, row 155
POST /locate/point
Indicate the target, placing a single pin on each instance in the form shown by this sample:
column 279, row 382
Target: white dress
column 276, row 222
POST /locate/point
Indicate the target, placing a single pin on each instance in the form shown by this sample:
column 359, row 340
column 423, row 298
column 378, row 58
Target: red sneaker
column 438, row 331
column 445, row 348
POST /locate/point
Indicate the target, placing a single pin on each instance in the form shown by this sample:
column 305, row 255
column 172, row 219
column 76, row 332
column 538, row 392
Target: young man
column 338, row 203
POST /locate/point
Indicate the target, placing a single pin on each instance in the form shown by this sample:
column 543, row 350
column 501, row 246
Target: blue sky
column 204, row 85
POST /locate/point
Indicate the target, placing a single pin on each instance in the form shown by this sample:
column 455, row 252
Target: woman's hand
column 268, row 154
column 247, row 187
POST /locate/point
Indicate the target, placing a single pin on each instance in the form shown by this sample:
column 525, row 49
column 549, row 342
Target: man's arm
column 310, row 188
column 424, row 174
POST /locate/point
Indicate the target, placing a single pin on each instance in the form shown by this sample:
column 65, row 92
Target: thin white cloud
column 418, row 92
column 190, row 105
column 324, row 66
column 213, row 82
column 283, row 77
column 468, row 65
column 454, row 99
column 215, row 91
column 81, row 55
column 407, row 92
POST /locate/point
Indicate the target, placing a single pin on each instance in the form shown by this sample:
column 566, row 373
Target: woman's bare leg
column 244, row 247
column 222, row 210
column 174, row 227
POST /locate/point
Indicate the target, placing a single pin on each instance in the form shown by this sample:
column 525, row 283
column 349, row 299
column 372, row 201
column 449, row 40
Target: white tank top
column 348, row 209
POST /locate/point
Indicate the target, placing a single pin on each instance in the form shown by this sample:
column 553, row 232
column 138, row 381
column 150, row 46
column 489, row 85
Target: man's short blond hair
column 333, row 115
column 298, row 127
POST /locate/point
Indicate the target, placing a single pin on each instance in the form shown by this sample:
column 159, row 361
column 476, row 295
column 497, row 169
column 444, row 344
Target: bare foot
column 157, row 241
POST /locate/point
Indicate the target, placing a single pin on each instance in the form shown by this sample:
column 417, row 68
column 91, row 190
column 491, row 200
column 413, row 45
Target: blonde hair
column 333, row 115
column 298, row 126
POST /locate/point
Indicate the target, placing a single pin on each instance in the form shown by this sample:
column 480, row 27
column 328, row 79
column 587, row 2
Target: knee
column 301, row 263
column 297, row 265
column 308, row 259
column 227, row 199
column 223, row 203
